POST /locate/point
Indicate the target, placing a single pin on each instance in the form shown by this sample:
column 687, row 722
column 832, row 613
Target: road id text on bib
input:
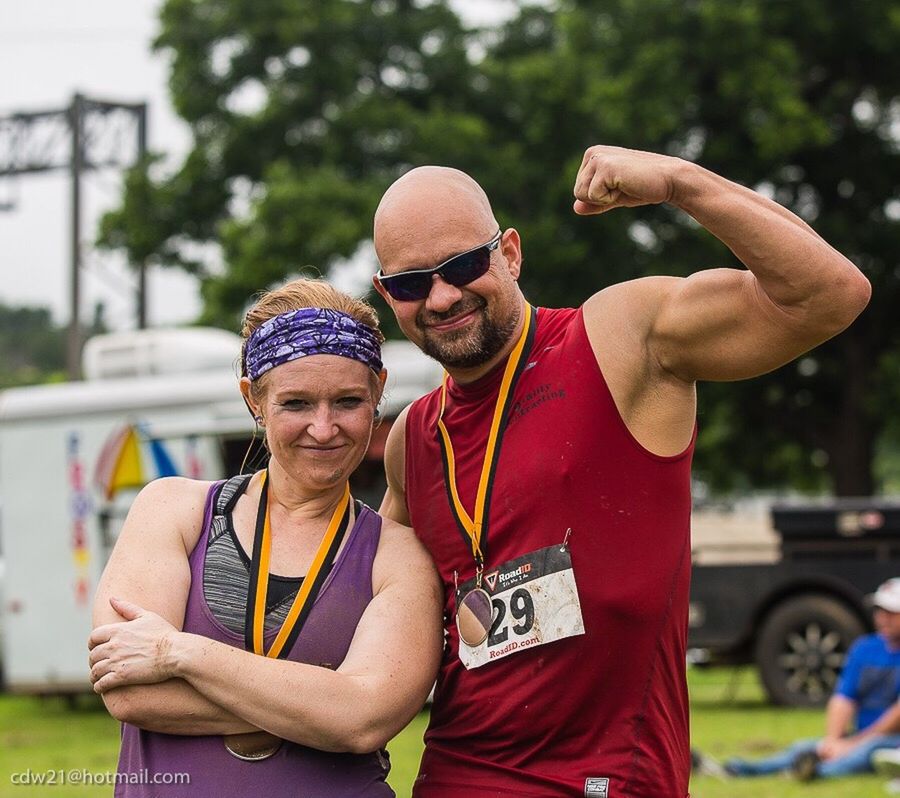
column 534, row 602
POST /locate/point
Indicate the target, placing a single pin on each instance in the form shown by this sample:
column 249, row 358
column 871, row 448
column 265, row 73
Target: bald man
column 549, row 476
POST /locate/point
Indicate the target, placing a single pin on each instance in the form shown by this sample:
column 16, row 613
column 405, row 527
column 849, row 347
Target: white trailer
column 176, row 392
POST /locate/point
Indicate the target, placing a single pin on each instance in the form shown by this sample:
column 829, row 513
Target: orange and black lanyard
column 312, row 583
column 475, row 527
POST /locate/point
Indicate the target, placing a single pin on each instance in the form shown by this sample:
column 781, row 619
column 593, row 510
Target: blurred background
column 161, row 162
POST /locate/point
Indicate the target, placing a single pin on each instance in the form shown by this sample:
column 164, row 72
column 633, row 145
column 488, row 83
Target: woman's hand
column 137, row 651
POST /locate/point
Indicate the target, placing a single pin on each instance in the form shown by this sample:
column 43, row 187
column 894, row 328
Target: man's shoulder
column 553, row 323
column 868, row 645
column 638, row 299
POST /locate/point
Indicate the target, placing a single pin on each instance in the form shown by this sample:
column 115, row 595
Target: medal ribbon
column 475, row 527
column 254, row 628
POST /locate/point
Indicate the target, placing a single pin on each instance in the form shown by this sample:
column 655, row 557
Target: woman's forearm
column 310, row 705
column 377, row 689
column 172, row 707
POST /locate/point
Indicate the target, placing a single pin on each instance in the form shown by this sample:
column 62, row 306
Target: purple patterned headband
column 310, row 331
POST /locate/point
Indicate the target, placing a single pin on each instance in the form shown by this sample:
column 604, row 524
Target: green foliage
column 344, row 95
column 32, row 348
column 797, row 99
column 303, row 112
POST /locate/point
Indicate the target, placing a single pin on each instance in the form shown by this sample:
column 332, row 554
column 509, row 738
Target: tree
column 799, row 100
column 304, row 111
column 32, row 347
column 796, row 99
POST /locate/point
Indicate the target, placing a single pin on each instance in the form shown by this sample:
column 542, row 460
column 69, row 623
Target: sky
column 49, row 49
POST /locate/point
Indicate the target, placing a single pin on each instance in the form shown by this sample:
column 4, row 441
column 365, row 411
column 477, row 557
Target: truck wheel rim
column 811, row 659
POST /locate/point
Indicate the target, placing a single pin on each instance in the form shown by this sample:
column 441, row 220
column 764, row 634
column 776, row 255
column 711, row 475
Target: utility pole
column 141, row 112
column 90, row 134
column 73, row 341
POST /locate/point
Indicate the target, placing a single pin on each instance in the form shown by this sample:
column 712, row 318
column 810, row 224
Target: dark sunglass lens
column 458, row 271
column 467, row 267
column 408, row 287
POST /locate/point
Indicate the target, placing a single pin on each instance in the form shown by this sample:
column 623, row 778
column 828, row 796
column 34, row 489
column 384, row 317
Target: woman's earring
column 259, row 420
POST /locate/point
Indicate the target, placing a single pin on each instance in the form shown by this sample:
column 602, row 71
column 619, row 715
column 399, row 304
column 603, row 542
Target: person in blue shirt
column 863, row 714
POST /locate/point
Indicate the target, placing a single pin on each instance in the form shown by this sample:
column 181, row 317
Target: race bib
column 534, row 602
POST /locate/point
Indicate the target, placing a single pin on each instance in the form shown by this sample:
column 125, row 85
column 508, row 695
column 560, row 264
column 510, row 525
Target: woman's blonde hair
column 303, row 293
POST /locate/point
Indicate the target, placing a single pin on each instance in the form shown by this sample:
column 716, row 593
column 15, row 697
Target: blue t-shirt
column 871, row 678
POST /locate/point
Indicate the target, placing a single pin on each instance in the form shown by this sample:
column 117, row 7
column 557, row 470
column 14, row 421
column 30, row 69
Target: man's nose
column 442, row 295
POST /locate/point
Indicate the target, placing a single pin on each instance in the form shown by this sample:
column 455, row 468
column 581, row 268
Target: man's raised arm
column 728, row 324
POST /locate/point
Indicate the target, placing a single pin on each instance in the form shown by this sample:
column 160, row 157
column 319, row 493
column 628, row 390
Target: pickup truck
column 794, row 613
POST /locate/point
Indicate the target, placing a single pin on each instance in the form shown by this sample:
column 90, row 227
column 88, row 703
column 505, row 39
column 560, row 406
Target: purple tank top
column 295, row 770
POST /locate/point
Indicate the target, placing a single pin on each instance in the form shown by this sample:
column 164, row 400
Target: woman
column 223, row 668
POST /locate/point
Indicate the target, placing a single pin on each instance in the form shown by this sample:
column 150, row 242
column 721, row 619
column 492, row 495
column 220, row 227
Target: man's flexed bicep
column 727, row 324
column 720, row 325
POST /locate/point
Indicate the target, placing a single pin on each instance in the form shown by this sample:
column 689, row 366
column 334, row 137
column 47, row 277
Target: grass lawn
column 728, row 718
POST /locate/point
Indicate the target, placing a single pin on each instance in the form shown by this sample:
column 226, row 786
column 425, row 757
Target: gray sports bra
column 226, row 573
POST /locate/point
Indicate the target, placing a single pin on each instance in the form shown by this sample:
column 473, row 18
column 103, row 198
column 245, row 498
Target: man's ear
column 380, row 289
column 511, row 248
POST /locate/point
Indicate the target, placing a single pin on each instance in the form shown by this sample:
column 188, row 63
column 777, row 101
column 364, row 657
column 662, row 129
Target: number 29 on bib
column 534, row 601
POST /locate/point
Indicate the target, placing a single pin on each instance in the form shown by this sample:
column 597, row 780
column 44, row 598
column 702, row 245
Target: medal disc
column 252, row 746
column 473, row 617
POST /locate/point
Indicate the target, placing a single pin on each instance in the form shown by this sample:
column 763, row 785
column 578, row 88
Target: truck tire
column 801, row 646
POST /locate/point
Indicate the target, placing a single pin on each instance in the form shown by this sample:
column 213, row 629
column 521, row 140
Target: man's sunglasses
column 459, row 270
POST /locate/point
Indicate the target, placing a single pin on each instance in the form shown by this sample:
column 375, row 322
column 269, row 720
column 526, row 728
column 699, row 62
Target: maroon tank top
column 604, row 713
column 294, row 770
